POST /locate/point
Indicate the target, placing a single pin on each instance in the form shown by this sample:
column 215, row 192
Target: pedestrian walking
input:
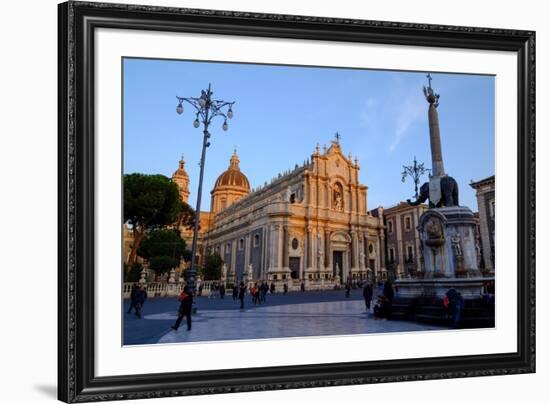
column 303, row 286
column 285, row 288
column 242, row 292
column 141, row 297
column 348, row 289
column 213, row 290
column 254, row 293
column 222, row 291
column 186, row 306
column 235, row 292
column 263, row 291
column 272, row 287
column 367, row 294
column 135, row 288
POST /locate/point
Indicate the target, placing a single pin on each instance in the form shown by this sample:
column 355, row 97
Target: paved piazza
column 292, row 315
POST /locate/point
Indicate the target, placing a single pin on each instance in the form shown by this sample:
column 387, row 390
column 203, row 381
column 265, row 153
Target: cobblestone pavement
column 292, row 315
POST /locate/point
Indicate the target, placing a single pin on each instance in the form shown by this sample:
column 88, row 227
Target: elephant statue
column 449, row 193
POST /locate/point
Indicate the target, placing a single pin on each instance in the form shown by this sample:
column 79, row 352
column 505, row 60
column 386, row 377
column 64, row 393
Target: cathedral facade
column 309, row 225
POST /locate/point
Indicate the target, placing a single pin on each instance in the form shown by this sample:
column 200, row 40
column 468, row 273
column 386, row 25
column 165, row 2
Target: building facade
column 485, row 193
column 310, row 225
column 403, row 254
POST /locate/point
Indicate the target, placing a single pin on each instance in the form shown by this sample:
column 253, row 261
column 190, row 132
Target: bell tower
column 181, row 179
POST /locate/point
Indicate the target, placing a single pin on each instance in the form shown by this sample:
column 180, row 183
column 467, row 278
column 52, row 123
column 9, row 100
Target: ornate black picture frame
column 77, row 24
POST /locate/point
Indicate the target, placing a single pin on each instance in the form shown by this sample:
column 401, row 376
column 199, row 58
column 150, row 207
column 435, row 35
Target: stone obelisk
column 438, row 170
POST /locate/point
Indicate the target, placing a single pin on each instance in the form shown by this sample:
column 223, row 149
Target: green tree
column 152, row 202
column 133, row 273
column 212, row 267
column 186, row 216
column 163, row 248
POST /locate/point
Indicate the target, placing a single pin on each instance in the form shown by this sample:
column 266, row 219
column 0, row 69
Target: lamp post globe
column 179, row 109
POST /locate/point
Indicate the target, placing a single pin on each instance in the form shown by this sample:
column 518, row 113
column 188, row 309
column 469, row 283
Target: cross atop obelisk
column 438, row 169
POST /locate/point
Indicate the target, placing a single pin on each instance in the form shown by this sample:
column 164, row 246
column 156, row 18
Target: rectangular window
column 390, row 226
column 407, row 223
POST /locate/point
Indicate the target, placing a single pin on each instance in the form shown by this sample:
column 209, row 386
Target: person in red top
column 186, row 305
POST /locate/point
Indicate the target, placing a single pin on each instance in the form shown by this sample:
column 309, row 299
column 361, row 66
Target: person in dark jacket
column 380, row 308
column 141, row 297
column 272, row 289
column 348, row 289
column 242, row 291
column 367, row 294
column 235, row 292
column 135, row 288
column 222, row 291
column 388, row 294
column 455, row 306
column 263, row 292
column 186, row 306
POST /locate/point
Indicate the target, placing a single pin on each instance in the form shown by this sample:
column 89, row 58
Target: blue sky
column 282, row 112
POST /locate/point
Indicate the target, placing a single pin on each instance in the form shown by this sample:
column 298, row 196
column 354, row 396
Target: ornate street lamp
column 206, row 109
column 415, row 172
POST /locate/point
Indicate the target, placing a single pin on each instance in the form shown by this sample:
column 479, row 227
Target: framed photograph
column 258, row 201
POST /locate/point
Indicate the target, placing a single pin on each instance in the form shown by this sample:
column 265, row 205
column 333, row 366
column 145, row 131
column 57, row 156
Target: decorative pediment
column 340, row 237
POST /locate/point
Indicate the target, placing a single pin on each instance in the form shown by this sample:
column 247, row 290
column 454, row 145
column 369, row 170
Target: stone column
column 381, row 250
column 354, row 252
column 265, row 257
column 279, row 245
column 362, row 252
column 272, row 253
column 309, row 246
column 378, row 261
column 247, row 253
column 435, row 139
column 435, row 142
column 285, row 246
column 328, row 255
column 234, row 257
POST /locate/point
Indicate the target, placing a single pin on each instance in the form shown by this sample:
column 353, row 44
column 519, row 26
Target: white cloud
column 409, row 111
column 392, row 115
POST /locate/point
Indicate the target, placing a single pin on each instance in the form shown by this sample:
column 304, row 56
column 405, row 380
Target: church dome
column 233, row 177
